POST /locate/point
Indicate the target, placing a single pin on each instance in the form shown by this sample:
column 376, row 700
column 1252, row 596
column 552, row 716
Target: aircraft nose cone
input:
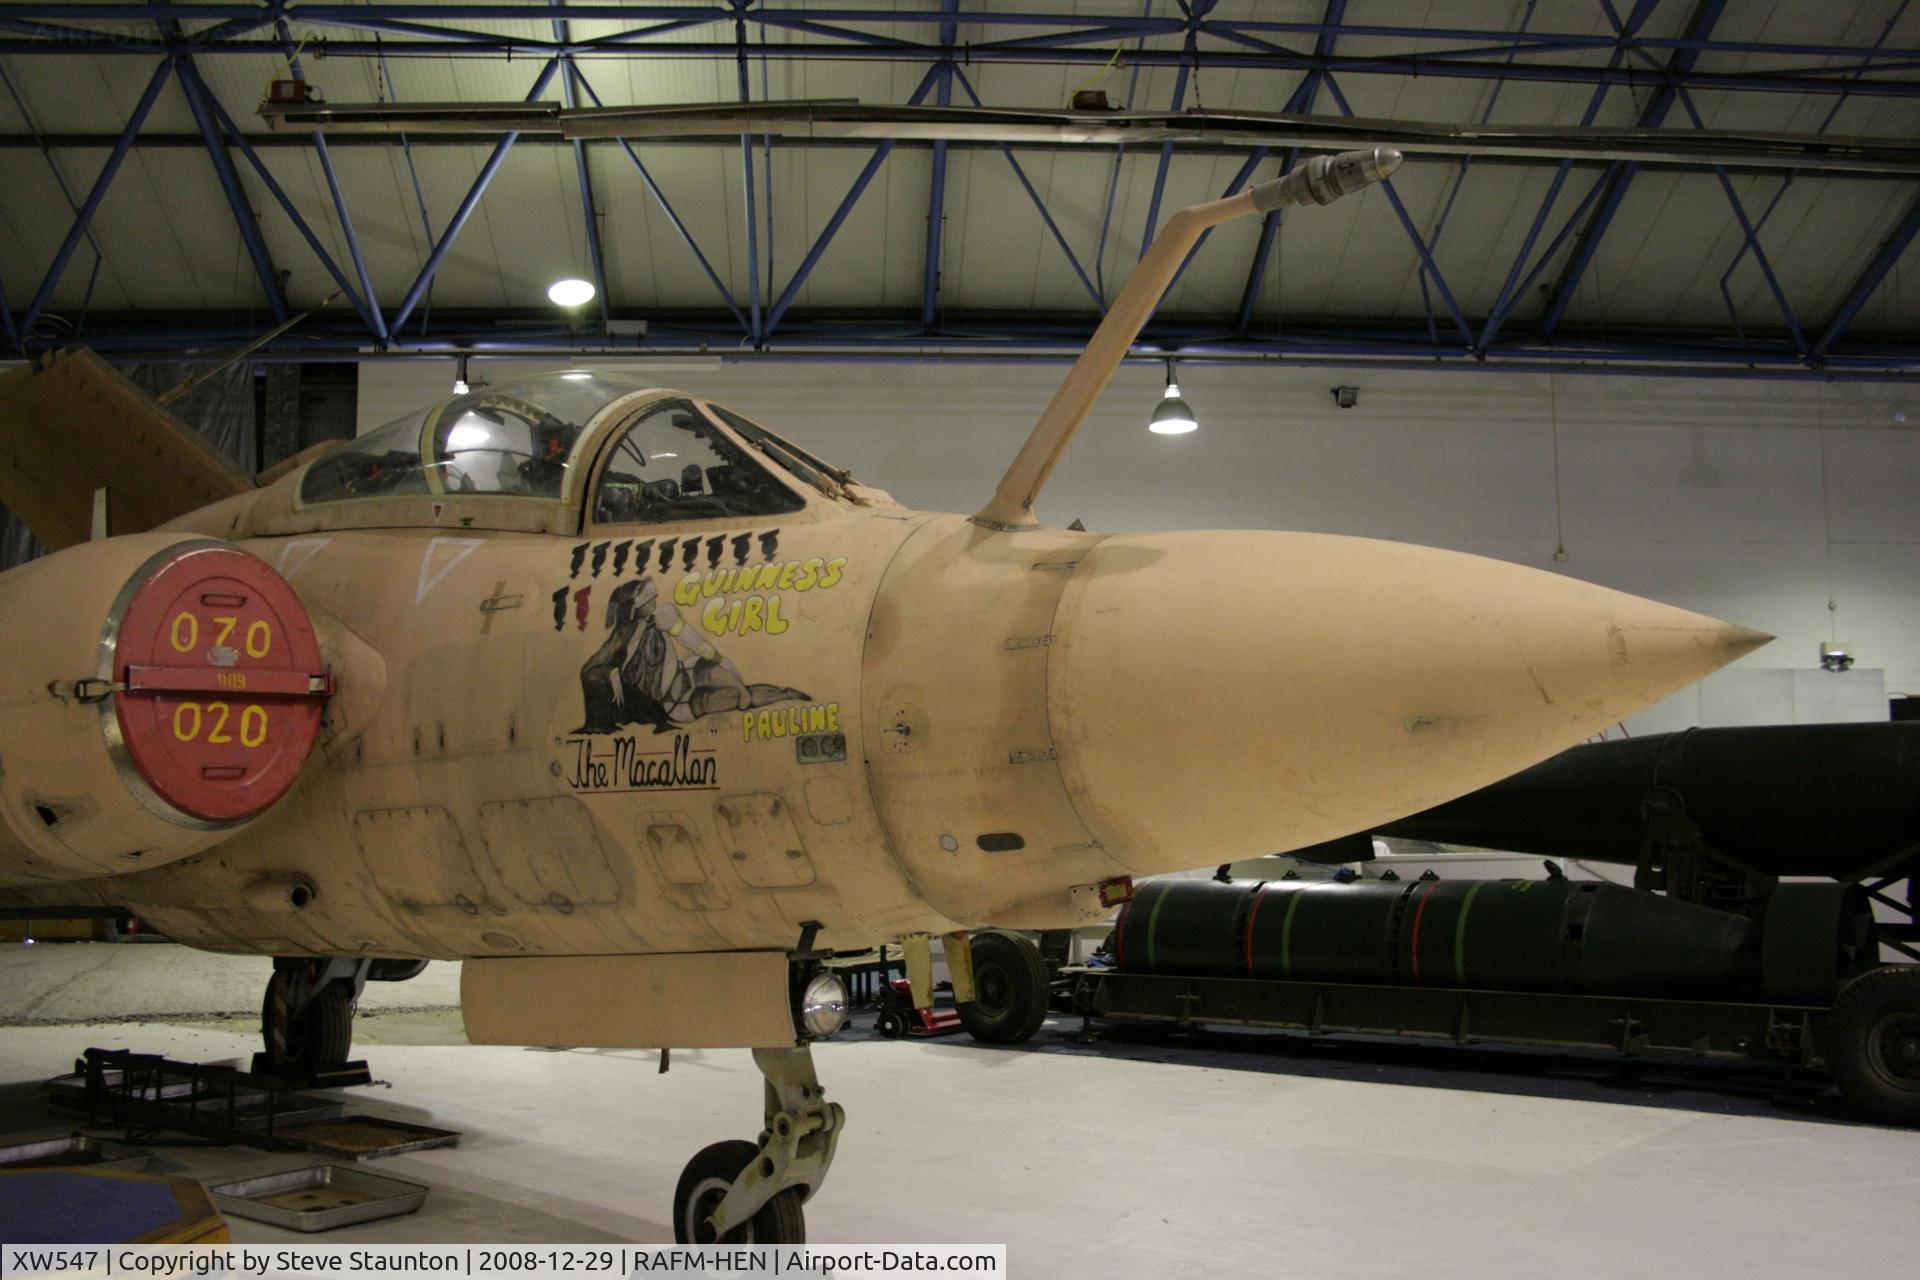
column 1217, row 696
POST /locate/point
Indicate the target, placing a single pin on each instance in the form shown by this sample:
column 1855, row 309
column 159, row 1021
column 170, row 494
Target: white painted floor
column 62, row 982
column 1219, row 1162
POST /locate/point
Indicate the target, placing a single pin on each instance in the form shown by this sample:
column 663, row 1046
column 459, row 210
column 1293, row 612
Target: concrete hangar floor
column 1149, row 1155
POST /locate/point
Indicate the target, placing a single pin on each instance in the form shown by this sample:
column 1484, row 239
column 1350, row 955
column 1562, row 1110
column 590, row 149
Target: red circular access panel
column 224, row 683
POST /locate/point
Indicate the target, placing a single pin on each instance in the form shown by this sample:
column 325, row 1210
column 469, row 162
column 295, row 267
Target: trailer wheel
column 1009, row 989
column 892, row 1025
column 1874, row 1044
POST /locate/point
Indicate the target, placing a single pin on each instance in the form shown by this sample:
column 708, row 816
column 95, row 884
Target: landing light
column 570, row 293
column 823, row 1006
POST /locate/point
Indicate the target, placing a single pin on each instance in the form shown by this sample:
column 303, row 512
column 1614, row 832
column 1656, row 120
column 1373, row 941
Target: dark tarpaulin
column 220, row 409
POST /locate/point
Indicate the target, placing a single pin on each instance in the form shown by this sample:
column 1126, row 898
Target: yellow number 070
column 189, row 718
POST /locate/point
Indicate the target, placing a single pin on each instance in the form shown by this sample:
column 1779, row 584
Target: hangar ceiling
column 1624, row 195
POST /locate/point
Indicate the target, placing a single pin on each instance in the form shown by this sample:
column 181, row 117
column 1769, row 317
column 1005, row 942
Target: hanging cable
column 1466, row 163
column 1826, row 510
column 1119, row 156
column 1106, row 69
column 1553, row 416
column 86, row 299
column 766, row 143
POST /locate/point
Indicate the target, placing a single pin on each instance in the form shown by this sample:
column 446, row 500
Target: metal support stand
column 958, row 949
column 917, row 950
column 797, row 1145
column 146, row 1093
column 1901, row 935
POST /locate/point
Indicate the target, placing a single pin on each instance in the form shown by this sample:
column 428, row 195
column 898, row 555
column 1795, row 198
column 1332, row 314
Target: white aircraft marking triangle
column 442, row 554
column 294, row 556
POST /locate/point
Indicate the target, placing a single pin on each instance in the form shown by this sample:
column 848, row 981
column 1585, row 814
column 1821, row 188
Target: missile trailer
column 1578, row 965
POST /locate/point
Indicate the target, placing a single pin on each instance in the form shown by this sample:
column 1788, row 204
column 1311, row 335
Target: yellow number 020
column 189, row 718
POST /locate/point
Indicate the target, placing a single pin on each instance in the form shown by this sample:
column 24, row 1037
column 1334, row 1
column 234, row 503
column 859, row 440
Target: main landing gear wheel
column 751, row 1193
column 301, row 1039
column 1009, row 988
column 1873, row 1044
column 704, row 1183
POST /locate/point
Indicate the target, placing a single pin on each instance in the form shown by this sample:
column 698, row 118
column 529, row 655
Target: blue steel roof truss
column 1190, row 34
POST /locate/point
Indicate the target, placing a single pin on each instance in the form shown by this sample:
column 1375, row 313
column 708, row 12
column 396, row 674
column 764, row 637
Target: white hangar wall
column 1753, row 501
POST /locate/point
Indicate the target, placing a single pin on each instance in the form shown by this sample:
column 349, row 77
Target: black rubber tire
column 322, row 1035
column 1873, row 1043
column 892, row 1025
column 782, row 1220
column 1009, row 988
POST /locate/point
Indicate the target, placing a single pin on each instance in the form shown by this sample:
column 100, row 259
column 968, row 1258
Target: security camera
column 1346, row 397
column 1836, row 655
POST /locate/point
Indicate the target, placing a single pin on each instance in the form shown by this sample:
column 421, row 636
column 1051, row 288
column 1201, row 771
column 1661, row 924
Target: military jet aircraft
column 646, row 712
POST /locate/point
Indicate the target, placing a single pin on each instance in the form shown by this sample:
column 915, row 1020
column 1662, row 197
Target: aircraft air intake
column 170, row 696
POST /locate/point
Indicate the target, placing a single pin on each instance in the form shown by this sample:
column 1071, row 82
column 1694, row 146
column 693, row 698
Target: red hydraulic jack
column 899, row 1018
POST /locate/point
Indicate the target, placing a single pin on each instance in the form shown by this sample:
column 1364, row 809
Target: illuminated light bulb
column 1172, row 416
column 570, row 293
column 468, row 434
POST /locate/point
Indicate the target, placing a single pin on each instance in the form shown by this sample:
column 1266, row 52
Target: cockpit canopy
column 515, row 439
column 677, row 459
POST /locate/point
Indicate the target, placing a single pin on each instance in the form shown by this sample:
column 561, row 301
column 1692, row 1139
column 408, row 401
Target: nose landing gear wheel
column 704, row 1183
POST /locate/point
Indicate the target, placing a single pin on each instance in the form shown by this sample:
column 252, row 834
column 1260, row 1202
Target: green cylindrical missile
column 1559, row 935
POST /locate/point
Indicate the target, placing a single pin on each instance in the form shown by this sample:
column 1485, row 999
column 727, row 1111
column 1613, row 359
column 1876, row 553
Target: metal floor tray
column 318, row 1198
column 366, row 1137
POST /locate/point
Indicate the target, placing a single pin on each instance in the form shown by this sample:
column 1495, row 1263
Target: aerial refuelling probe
column 1321, row 180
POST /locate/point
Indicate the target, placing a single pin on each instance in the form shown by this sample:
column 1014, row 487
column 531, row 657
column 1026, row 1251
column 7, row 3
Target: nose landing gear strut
column 745, row 1193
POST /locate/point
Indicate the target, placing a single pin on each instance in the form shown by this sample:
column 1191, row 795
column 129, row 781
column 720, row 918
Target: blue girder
column 1187, row 35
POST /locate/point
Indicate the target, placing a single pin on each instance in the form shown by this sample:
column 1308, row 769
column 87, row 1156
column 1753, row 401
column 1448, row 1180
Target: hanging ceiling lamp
column 1172, row 416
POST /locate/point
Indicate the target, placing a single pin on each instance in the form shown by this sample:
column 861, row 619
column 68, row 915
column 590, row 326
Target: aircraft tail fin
column 71, row 424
